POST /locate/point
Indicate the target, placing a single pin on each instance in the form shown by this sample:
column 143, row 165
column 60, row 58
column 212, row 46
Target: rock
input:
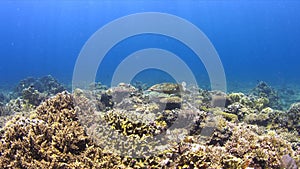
column 288, row 162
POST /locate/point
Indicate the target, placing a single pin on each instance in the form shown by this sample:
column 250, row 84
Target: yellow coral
column 229, row 116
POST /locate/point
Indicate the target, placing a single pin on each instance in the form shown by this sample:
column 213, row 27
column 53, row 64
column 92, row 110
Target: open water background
column 255, row 40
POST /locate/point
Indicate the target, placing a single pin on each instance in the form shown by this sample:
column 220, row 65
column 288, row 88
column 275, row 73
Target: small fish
column 288, row 162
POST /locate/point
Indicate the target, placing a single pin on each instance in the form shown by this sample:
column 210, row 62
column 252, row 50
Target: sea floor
column 165, row 125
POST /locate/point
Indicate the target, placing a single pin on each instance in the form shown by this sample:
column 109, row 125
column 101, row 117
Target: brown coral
column 52, row 137
column 55, row 136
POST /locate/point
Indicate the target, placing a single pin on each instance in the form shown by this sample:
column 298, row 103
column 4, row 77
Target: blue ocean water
column 255, row 40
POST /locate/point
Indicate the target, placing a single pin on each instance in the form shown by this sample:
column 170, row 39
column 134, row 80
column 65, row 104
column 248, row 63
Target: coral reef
column 50, row 137
column 120, row 92
column 289, row 94
column 28, row 94
column 3, row 99
column 168, row 88
column 46, row 84
column 3, row 109
column 32, row 96
column 289, row 119
column 261, row 151
column 265, row 91
column 18, row 105
column 81, row 130
column 294, row 117
column 25, row 83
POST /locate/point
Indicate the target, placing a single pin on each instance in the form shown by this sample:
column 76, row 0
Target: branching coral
column 61, row 132
column 51, row 137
